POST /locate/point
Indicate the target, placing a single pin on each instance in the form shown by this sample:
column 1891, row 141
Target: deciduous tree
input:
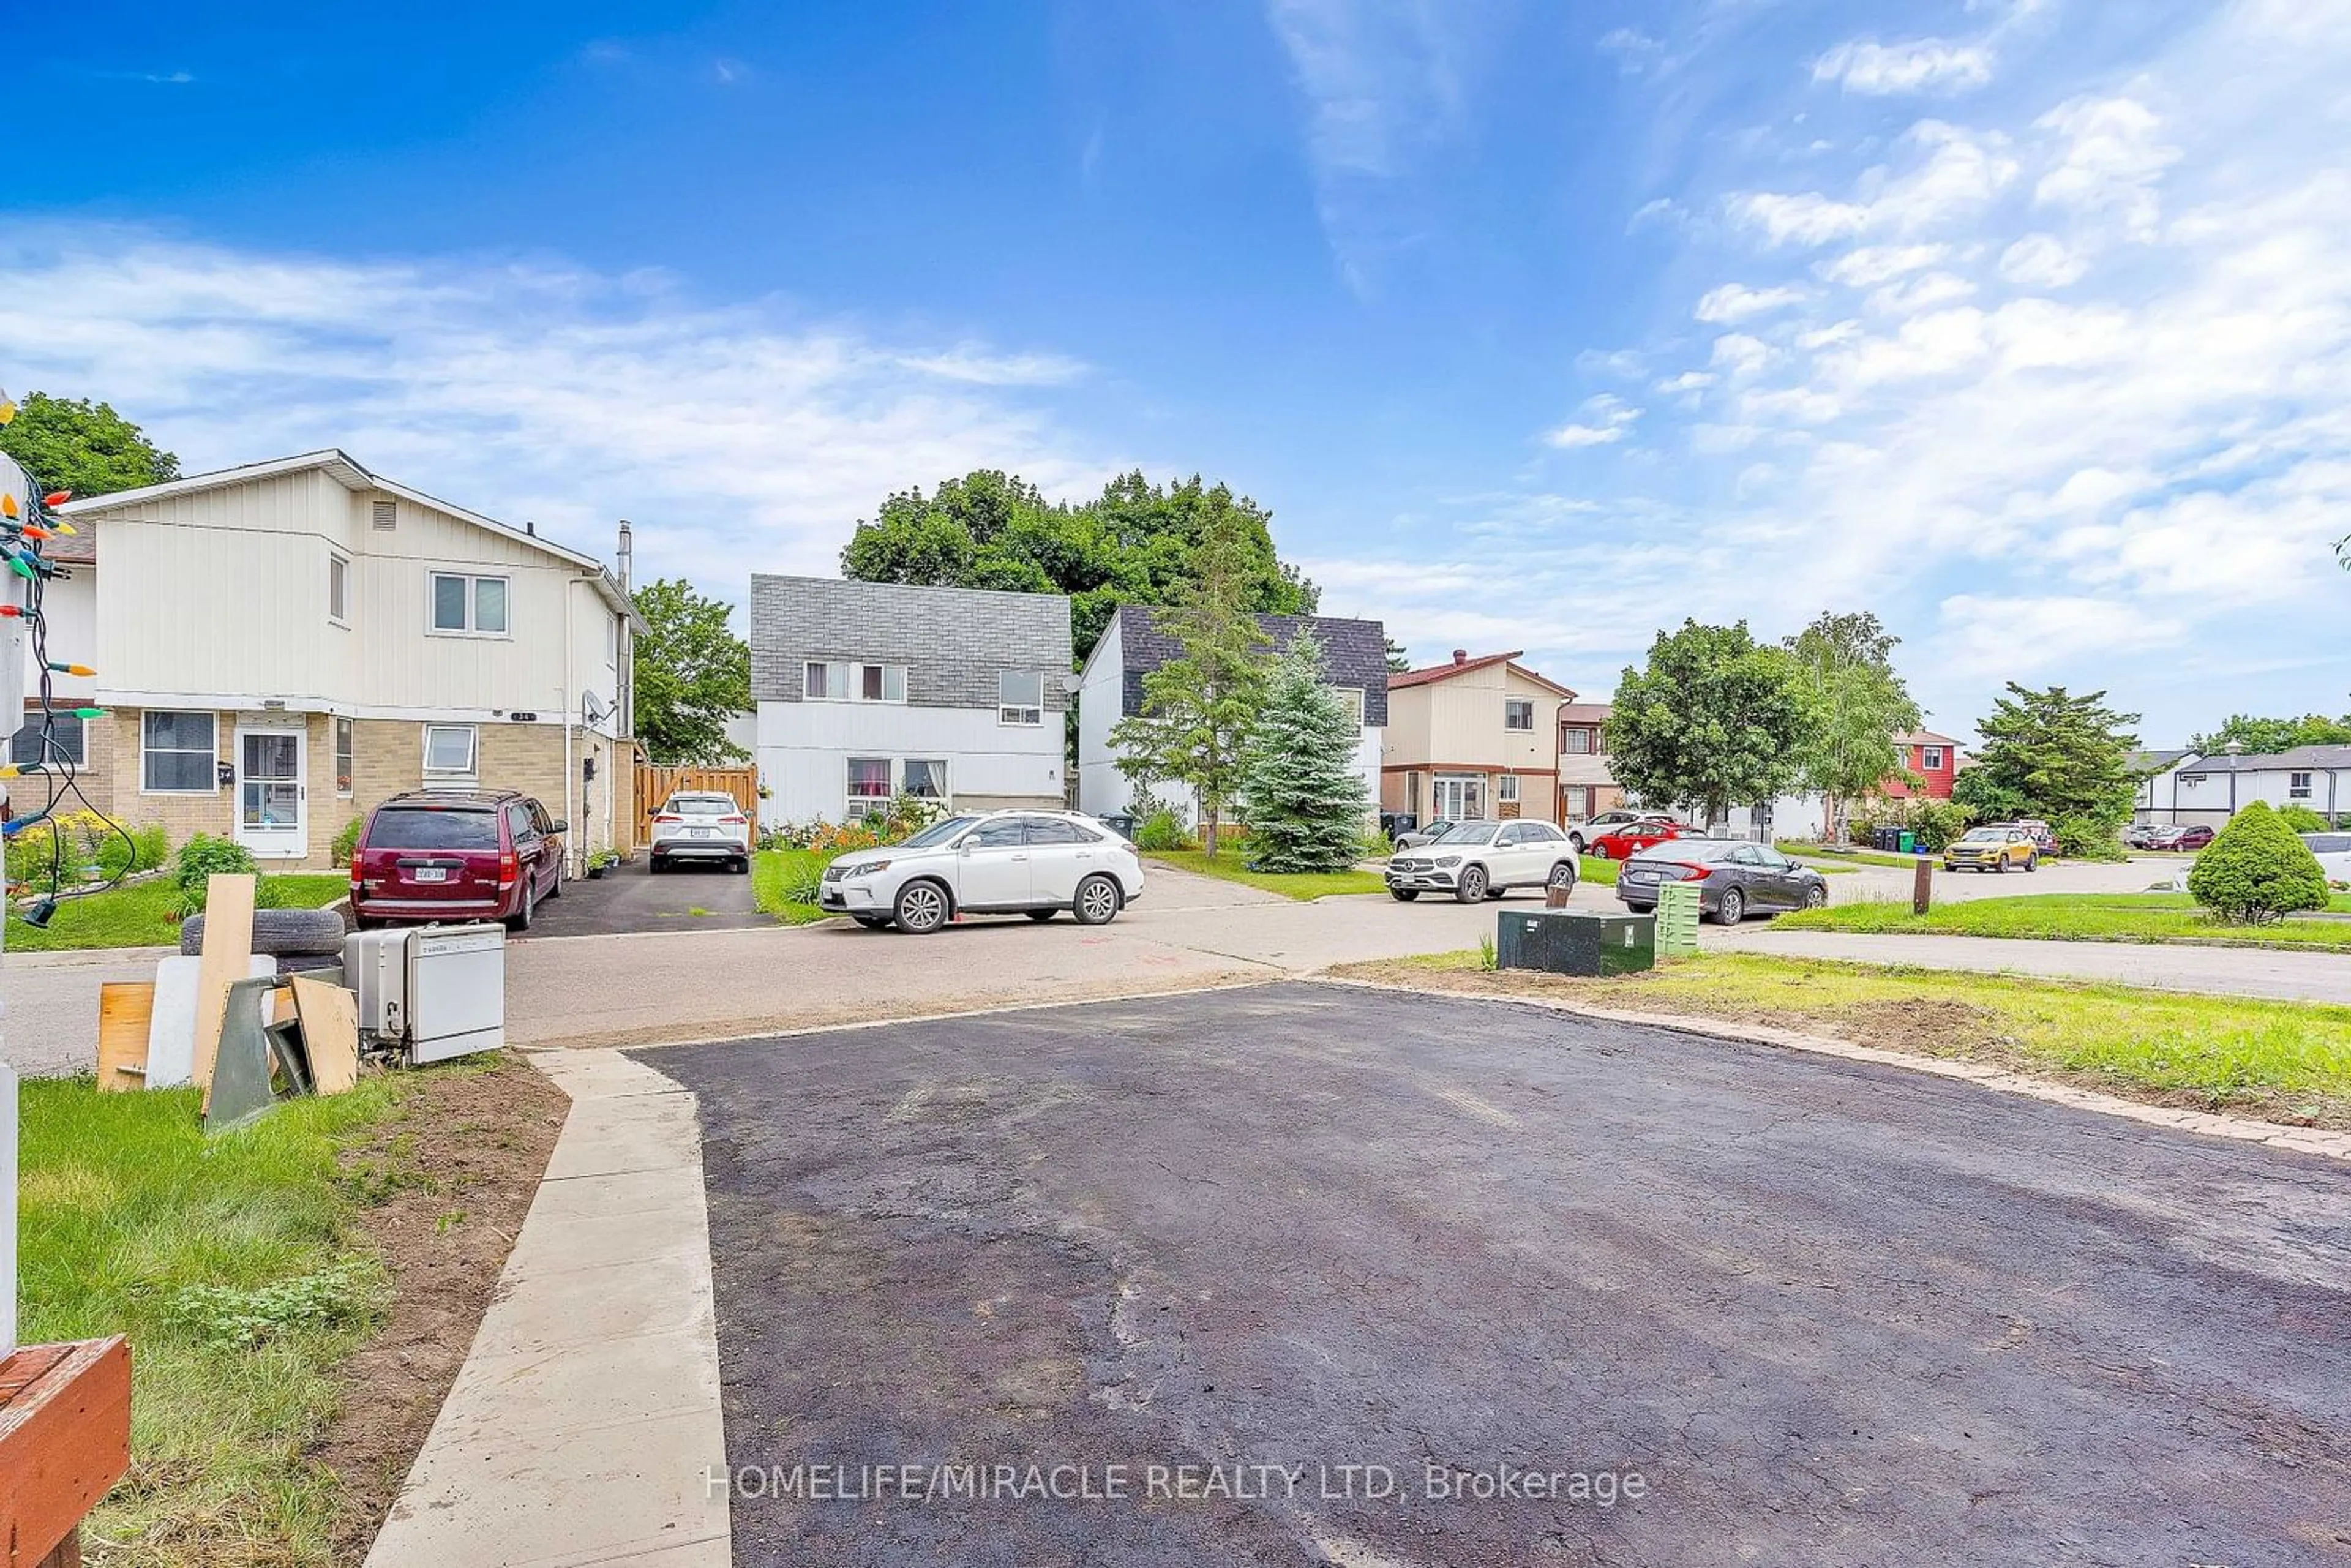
column 70, row 443
column 2268, row 736
column 2056, row 756
column 1847, row 662
column 1714, row 720
column 693, row 674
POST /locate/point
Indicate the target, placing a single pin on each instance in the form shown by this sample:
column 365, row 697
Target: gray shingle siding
column 1354, row 654
column 954, row 641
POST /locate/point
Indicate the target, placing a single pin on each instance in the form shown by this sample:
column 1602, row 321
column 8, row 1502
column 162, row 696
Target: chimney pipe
column 1460, row 656
column 626, row 555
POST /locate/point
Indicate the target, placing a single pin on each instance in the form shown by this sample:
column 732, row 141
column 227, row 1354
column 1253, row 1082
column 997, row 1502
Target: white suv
column 1036, row 864
column 693, row 826
column 1481, row 860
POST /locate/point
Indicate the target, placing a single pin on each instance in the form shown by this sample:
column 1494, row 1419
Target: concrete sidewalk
column 2276, row 973
column 587, row 1412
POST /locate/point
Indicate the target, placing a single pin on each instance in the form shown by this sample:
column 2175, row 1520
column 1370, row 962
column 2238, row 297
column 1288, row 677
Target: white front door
column 1460, row 798
column 272, row 804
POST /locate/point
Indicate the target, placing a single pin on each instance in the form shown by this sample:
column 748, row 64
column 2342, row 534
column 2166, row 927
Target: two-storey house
column 1474, row 738
column 1355, row 663
column 867, row 690
column 1586, row 785
column 1933, row 761
column 280, row 646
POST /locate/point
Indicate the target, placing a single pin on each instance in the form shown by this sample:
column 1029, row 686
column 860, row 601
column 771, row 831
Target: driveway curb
column 2303, row 1140
column 585, row 1423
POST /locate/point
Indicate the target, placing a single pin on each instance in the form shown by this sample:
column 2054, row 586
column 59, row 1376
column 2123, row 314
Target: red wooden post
column 1922, row 889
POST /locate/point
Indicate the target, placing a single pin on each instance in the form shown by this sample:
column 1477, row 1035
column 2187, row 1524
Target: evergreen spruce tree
column 1304, row 802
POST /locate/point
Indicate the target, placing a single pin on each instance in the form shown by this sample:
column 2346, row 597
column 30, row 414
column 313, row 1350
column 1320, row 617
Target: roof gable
column 1464, row 664
column 1354, row 654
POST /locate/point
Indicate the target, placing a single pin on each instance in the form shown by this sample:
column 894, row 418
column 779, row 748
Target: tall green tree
column 2057, row 757
column 1714, row 719
column 70, row 443
column 1198, row 707
column 1847, row 663
column 1399, row 660
column 1305, row 802
column 2268, row 736
column 1133, row 544
column 693, row 674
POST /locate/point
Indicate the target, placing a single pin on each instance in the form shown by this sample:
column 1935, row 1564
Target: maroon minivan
column 456, row 854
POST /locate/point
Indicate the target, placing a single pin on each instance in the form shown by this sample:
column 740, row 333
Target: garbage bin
column 1908, row 843
column 1886, row 839
column 1122, row 825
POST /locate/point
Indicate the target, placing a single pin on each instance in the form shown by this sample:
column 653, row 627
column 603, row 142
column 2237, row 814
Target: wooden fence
column 655, row 785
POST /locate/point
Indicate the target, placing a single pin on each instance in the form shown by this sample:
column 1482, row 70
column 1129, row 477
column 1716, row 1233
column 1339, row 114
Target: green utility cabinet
column 1575, row 942
column 1676, row 919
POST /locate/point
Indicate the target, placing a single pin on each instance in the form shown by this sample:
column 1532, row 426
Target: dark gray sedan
column 1735, row 878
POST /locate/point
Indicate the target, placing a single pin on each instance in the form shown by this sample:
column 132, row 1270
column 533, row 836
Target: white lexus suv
column 1035, row 863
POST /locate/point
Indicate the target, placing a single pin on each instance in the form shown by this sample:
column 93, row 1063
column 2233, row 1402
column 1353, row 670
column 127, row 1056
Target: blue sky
column 1538, row 326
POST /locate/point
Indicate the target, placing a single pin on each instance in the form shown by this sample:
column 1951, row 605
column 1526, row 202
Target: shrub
column 2300, row 819
column 346, row 843
column 1938, row 822
column 2256, row 871
column 206, row 856
column 1161, row 832
column 2083, row 837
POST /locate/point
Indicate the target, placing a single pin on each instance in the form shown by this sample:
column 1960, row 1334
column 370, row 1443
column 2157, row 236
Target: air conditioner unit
column 429, row 993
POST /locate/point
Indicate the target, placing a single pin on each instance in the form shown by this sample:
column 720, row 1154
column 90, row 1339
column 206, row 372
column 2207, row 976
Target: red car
column 456, row 855
column 1623, row 843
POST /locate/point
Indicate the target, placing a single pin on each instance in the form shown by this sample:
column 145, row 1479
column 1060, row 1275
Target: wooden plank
column 125, row 1008
column 65, row 1439
column 228, row 953
column 331, row 1031
column 654, row 785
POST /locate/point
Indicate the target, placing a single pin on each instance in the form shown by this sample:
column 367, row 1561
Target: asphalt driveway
column 630, row 899
column 1825, row 1311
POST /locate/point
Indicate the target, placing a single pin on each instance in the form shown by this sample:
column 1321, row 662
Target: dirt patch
column 444, row 1186
column 1933, row 1027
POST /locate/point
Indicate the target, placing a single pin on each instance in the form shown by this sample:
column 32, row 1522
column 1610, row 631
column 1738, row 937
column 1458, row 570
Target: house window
column 1019, row 698
column 1575, row 740
column 338, row 590
column 464, row 606
column 449, row 750
column 1930, row 758
column 839, row 681
column 2297, row 786
column 344, row 727
column 67, row 743
column 869, row 786
column 1518, row 713
column 926, row 777
column 176, row 753
column 1353, row 698
column 612, row 640
column 1506, row 788
column 1579, row 801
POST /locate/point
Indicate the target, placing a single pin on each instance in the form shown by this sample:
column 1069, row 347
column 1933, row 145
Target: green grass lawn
column 227, row 1264
column 2287, row 1060
column 1828, row 859
column 139, row 915
column 776, row 875
column 2074, row 916
column 1290, row 884
column 1598, row 869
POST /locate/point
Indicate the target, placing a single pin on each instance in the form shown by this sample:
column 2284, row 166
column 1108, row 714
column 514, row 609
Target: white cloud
column 1874, row 264
column 1607, row 419
column 2114, row 157
column 1738, row 354
column 1912, row 295
column 1809, row 218
column 1687, row 381
column 1953, row 173
column 2010, row 637
column 1923, row 65
column 739, row 438
column 2042, row 261
column 1736, row 302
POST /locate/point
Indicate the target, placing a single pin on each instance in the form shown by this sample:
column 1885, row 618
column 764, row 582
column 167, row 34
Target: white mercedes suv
column 1035, row 863
column 1481, row 860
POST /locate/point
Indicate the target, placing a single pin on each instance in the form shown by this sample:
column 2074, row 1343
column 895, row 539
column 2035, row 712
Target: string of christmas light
column 24, row 530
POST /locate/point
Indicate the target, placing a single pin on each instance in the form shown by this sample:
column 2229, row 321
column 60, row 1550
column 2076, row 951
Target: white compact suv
column 699, row 826
column 1481, row 860
column 1036, row 864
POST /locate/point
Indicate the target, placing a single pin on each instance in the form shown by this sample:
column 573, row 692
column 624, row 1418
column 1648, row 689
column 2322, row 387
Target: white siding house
column 2211, row 788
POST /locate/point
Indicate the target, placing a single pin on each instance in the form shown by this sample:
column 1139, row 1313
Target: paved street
column 630, row 898
column 1825, row 1312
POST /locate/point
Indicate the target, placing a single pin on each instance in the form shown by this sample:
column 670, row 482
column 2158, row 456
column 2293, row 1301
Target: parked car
column 1415, row 837
column 2172, row 837
column 695, row 825
column 1993, row 847
column 1581, row 833
column 1035, row 863
column 1735, row 878
column 2333, row 853
column 1484, row 860
column 456, row 854
column 2142, row 835
column 1626, row 839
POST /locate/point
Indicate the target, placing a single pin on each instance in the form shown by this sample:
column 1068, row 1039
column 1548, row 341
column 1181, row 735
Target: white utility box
column 429, row 992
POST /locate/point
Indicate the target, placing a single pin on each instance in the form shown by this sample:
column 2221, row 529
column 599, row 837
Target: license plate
column 1644, row 876
column 702, row 832
column 432, row 874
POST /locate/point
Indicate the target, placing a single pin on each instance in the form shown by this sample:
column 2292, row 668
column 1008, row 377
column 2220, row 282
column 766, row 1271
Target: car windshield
column 1470, row 833
column 1985, row 836
column 938, row 833
column 432, row 827
column 1687, row 849
column 720, row 803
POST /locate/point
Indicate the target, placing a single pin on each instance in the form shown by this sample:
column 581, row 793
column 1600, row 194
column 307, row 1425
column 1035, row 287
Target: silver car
column 1035, row 863
column 696, row 826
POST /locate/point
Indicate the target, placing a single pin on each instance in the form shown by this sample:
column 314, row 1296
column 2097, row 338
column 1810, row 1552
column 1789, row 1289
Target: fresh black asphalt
column 630, row 899
column 1827, row 1311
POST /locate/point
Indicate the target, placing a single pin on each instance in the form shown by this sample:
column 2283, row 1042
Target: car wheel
column 1733, row 907
column 1097, row 901
column 555, row 888
column 1471, row 888
column 2000, row 867
column 520, row 919
column 1404, row 894
column 1575, row 843
column 2032, row 862
column 1563, row 875
column 922, row 908
column 1816, row 898
column 656, row 866
column 742, row 865
column 1042, row 915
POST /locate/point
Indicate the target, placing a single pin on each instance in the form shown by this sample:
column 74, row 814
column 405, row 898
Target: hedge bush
column 2301, row 818
column 346, row 843
column 2257, row 871
column 1162, row 832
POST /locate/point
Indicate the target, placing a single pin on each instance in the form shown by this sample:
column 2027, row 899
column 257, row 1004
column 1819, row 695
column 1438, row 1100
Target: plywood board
column 125, row 1009
column 331, row 1032
column 228, row 952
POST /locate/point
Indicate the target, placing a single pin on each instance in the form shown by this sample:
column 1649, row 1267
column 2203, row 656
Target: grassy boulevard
column 2077, row 917
column 2288, row 1062
column 777, row 875
column 139, row 916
